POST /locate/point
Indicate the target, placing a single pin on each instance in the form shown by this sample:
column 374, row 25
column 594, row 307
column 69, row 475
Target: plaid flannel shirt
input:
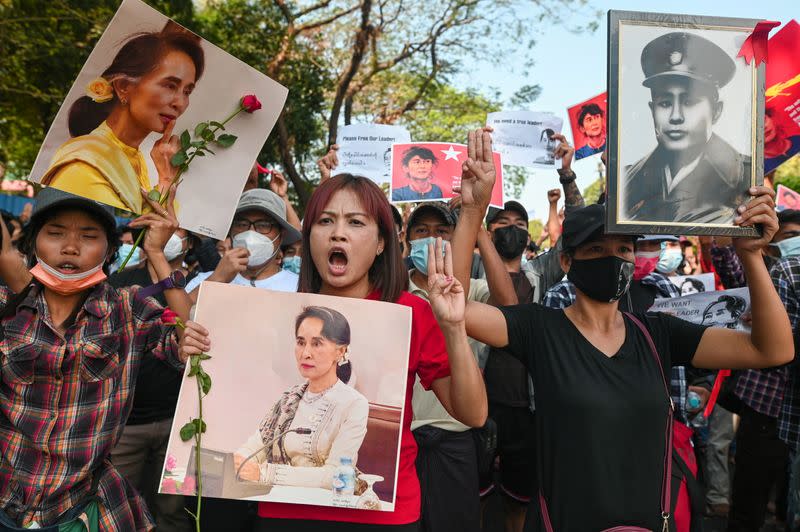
column 786, row 278
column 562, row 294
column 64, row 400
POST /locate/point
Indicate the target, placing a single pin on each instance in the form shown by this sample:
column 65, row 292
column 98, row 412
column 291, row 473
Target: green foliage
column 591, row 194
column 788, row 174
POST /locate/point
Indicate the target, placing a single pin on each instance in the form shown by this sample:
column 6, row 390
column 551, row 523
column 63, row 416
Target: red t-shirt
column 428, row 359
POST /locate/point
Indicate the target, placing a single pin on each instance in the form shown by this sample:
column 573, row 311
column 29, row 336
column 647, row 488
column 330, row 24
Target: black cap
column 437, row 209
column 685, row 55
column 582, row 224
column 510, row 205
column 52, row 198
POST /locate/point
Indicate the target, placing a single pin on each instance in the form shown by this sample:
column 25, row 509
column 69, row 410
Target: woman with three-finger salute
column 70, row 351
column 603, row 412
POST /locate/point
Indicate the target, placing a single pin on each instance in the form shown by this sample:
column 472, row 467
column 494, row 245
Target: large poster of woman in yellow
column 147, row 80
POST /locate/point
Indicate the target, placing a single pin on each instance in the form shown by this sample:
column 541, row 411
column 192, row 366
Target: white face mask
column 68, row 276
column 261, row 248
column 173, row 247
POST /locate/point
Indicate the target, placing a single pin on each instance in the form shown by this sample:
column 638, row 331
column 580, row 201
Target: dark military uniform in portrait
column 708, row 189
column 709, row 194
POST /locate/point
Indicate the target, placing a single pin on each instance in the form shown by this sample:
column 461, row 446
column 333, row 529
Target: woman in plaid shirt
column 70, row 351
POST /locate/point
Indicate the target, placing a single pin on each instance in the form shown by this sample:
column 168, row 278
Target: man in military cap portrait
column 692, row 176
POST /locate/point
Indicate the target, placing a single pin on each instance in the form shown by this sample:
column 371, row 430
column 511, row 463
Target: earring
column 123, row 101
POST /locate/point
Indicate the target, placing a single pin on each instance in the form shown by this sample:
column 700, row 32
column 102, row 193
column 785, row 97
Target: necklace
column 311, row 397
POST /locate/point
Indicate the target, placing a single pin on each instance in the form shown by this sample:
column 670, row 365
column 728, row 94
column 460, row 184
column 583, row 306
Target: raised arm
column 280, row 186
column 477, row 182
column 573, row 199
column 463, row 393
column 770, row 341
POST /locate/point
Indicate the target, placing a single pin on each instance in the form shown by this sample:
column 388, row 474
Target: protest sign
column 787, row 199
column 782, row 105
column 724, row 308
column 693, row 284
column 366, row 150
column 275, row 429
column 431, row 171
column 523, row 137
column 588, row 122
column 118, row 110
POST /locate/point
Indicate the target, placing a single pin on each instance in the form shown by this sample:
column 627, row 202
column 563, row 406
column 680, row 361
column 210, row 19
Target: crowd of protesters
column 536, row 374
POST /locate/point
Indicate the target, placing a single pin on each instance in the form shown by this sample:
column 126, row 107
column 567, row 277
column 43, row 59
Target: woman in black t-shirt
column 600, row 399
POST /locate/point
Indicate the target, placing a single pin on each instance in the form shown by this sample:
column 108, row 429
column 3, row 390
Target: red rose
column 250, row 103
column 169, row 317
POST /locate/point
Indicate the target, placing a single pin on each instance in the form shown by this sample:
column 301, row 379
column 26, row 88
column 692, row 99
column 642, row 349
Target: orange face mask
column 67, row 284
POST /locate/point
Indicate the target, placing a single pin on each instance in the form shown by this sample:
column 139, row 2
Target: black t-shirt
column 505, row 376
column 157, row 384
column 600, row 420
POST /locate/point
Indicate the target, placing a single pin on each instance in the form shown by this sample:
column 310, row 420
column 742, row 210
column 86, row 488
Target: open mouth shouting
column 67, row 267
column 337, row 261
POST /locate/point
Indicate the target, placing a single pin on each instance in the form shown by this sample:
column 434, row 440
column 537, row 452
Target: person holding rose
column 144, row 90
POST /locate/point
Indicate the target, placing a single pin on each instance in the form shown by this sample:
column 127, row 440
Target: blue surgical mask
column 123, row 252
column 419, row 253
column 669, row 259
column 292, row 264
column 789, row 247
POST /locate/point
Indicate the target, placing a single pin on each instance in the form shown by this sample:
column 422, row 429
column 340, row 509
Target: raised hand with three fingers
column 445, row 292
column 478, row 173
column 328, row 163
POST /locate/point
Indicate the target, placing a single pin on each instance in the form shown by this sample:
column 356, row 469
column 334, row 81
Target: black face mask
column 510, row 241
column 605, row 279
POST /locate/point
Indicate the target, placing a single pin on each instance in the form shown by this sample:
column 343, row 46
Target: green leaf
column 186, row 139
column 200, row 153
column 197, row 143
column 154, row 195
column 208, row 135
column 199, row 426
column 198, row 130
column 216, row 125
column 179, row 158
column 193, row 371
column 206, row 382
column 226, row 140
column 188, row 431
column 204, row 356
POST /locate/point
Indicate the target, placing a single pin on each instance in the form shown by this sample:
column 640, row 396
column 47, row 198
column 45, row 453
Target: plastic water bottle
column 693, row 400
column 344, row 478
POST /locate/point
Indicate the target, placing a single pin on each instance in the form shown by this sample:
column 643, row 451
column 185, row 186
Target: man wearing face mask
column 258, row 231
column 446, row 460
column 139, row 453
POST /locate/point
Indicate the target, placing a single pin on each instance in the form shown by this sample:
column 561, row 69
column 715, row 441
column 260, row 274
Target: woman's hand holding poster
column 147, row 80
column 318, row 392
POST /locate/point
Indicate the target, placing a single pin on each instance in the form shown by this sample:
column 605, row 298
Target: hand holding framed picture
column 685, row 124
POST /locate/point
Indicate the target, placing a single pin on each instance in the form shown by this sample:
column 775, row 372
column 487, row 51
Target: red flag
column 755, row 46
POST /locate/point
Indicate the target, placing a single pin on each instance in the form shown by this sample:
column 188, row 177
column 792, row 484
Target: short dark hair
column 397, row 217
column 696, row 283
column 589, row 109
column 418, row 151
column 789, row 216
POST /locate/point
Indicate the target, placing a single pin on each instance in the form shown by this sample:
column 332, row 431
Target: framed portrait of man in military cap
column 685, row 124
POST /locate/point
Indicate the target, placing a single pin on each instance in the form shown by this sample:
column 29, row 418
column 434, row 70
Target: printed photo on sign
column 431, row 171
column 787, row 199
column 306, row 403
column 694, row 284
column 523, row 138
column 684, row 134
column 156, row 104
column 366, row 150
column 782, row 114
column 725, row 308
column 588, row 123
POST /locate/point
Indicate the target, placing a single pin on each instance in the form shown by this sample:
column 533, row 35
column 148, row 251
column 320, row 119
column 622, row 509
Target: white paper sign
column 724, row 308
column 693, row 284
column 523, row 137
column 366, row 149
